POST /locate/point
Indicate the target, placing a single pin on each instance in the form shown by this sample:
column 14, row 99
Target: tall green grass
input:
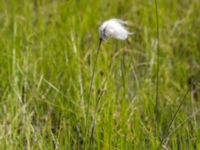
column 46, row 60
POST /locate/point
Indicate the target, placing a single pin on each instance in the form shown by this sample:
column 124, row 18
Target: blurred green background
column 47, row 52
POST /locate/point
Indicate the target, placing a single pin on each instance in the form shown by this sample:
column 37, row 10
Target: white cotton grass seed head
column 114, row 28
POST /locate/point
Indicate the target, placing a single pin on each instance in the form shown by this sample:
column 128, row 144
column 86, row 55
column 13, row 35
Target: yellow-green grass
column 47, row 52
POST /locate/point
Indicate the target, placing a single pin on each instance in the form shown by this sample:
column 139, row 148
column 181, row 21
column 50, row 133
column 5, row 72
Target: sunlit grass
column 46, row 60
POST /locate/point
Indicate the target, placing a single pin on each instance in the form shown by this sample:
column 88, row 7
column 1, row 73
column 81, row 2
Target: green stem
column 91, row 83
column 158, row 67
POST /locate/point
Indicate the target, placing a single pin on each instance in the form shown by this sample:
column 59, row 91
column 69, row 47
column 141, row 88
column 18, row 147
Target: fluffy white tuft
column 114, row 28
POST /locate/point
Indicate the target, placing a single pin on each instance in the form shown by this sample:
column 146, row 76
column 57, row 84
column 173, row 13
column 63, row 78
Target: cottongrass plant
column 112, row 28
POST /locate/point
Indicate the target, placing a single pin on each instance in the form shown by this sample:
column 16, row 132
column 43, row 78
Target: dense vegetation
column 47, row 52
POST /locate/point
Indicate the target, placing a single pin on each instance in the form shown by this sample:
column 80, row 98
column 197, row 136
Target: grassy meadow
column 47, row 53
